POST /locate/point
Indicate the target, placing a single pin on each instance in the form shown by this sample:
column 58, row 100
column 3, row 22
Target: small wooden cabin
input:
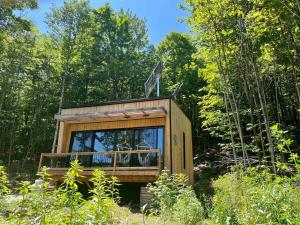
column 131, row 139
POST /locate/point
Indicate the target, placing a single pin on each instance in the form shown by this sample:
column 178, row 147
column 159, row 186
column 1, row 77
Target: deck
column 138, row 166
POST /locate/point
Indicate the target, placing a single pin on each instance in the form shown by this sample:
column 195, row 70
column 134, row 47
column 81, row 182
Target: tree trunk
column 59, row 112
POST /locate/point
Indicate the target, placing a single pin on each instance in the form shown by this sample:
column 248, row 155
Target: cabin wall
column 66, row 129
column 181, row 124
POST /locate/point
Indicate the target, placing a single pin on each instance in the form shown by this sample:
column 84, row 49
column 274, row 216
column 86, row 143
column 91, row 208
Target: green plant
column 187, row 209
column 165, row 191
column 4, row 189
column 174, row 200
column 44, row 200
column 251, row 196
column 283, row 144
column 40, row 204
column 70, row 197
column 103, row 200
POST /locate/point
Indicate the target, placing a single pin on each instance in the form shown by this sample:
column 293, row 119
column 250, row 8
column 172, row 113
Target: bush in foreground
column 175, row 201
column 64, row 205
column 249, row 196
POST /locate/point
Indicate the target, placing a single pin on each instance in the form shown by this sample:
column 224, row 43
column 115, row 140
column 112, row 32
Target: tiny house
column 130, row 139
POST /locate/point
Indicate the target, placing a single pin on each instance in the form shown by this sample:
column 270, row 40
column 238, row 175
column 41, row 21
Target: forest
column 239, row 67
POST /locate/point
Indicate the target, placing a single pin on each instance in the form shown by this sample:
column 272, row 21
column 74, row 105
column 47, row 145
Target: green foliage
column 41, row 204
column 4, row 183
column 249, row 196
column 70, row 196
column 165, row 191
column 4, row 188
column 187, row 208
column 174, row 200
column 244, row 196
column 104, row 198
column 250, row 52
column 105, row 54
column 283, row 144
column 181, row 67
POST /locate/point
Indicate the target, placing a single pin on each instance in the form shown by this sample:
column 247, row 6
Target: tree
column 181, row 68
column 246, row 40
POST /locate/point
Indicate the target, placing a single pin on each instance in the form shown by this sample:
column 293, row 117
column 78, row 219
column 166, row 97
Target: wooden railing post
column 158, row 161
column 40, row 163
column 115, row 162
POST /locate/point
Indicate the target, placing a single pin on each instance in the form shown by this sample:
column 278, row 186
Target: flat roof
column 115, row 102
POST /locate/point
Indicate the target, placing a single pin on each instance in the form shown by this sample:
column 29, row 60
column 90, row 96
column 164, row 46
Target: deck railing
column 114, row 160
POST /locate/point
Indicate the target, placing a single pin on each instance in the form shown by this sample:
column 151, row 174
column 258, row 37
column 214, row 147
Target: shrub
column 64, row 205
column 70, row 197
column 4, row 183
column 4, row 190
column 187, row 209
column 165, row 191
column 249, row 196
column 174, row 200
column 102, row 204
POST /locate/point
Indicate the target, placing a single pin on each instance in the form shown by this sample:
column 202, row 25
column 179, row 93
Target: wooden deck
column 58, row 164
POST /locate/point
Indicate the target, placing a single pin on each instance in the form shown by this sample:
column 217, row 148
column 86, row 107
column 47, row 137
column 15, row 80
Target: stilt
column 145, row 196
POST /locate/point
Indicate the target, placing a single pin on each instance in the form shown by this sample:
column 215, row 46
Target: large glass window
column 104, row 142
column 82, row 141
column 121, row 140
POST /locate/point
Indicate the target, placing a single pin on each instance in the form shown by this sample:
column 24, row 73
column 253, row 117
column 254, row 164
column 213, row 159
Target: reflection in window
column 121, row 140
column 124, row 139
column 104, row 142
column 82, row 142
column 148, row 138
column 77, row 142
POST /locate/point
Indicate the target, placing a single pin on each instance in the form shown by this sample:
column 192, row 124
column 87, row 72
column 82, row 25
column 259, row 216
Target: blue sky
column 161, row 15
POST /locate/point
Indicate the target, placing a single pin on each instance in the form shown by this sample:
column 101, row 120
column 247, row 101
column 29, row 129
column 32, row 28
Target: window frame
column 113, row 130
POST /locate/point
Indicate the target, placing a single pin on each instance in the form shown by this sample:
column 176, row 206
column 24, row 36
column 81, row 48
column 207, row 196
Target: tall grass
column 250, row 196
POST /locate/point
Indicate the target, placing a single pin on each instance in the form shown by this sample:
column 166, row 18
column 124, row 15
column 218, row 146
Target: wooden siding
column 181, row 124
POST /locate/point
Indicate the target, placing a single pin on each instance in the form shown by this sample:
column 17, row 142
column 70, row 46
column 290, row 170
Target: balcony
column 140, row 166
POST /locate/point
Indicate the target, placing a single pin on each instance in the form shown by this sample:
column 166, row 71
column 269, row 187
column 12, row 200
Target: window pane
column 124, row 139
column 160, row 139
column 104, row 142
column 88, row 141
column 146, row 139
column 160, row 144
column 124, row 142
column 77, row 145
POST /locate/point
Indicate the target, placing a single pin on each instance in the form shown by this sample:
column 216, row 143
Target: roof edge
column 94, row 104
